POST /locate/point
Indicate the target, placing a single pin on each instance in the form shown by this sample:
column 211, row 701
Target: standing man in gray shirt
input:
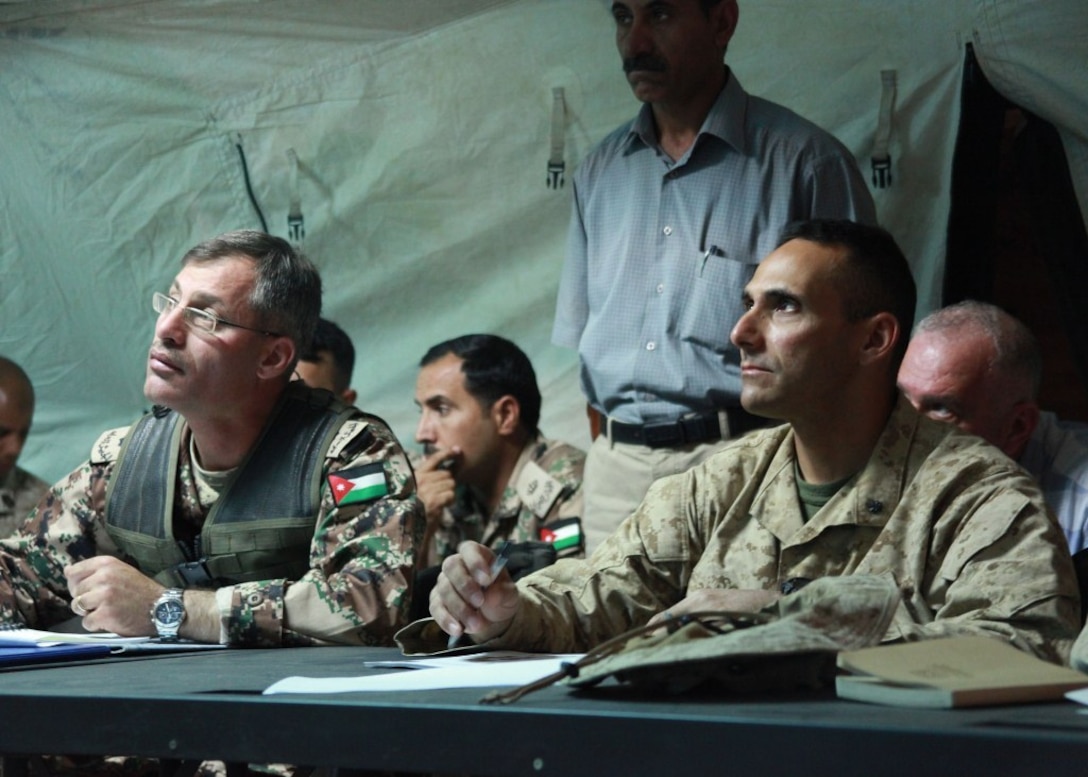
column 672, row 212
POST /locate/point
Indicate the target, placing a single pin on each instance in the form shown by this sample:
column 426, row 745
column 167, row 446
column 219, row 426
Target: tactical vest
column 262, row 524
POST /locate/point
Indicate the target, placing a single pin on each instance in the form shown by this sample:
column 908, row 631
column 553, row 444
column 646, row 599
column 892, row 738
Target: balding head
column 974, row 365
column 16, row 412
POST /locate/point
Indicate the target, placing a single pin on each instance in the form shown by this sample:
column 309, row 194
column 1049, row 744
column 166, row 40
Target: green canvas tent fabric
column 413, row 137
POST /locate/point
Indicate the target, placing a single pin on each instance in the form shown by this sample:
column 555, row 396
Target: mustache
column 644, row 62
column 167, row 351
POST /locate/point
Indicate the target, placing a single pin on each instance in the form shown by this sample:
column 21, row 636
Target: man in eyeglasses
column 245, row 508
column 855, row 482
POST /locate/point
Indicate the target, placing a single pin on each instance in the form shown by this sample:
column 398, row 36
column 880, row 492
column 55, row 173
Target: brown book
column 952, row 672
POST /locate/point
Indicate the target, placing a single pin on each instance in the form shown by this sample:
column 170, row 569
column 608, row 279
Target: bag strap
column 714, row 621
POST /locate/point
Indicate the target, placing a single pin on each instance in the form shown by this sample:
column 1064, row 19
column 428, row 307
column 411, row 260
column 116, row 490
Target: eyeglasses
column 200, row 319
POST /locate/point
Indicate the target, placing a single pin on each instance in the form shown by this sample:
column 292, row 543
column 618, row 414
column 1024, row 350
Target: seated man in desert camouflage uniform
column 855, row 482
column 244, row 508
column 487, row 474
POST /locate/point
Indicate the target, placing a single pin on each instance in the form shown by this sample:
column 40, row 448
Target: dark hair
column 493, row 367
column 16, row 382
column 287, row 294
column 875, row 276
column 329, row 337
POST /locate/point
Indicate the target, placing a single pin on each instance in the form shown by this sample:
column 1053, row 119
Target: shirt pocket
column 713, row 304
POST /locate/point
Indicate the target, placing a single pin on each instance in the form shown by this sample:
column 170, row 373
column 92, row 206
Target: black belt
column 688, row 430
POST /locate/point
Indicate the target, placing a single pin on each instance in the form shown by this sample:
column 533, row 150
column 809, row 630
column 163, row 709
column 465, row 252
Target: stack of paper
column 476, row 670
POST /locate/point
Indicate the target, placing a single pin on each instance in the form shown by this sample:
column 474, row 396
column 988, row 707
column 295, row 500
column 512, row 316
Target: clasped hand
column 114, row 596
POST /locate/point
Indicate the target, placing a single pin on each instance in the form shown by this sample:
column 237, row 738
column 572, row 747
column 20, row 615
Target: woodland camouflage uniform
column 545, row 487
column 360, row 565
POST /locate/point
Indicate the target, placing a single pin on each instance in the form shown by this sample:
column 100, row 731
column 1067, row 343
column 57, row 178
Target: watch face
column 169, row 613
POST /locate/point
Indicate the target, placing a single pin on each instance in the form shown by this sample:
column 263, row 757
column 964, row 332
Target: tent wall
column 421, row 134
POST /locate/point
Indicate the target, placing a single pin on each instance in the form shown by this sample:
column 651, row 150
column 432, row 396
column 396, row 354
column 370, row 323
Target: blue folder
column 17, row 655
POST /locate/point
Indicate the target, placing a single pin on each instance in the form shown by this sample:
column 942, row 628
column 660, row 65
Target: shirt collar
column 725, row 120
column 875, row 491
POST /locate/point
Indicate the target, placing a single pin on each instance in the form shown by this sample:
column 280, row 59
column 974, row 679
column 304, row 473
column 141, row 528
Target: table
column 208, row 705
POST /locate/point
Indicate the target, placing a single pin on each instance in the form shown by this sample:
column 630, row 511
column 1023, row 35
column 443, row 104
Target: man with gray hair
column 19, row 490
column 245, row 508
column 974, row 365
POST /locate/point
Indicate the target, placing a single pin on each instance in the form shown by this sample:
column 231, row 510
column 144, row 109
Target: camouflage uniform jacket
column 361, row 559
column 960, row 528
column 19, row 494
column 545, row 486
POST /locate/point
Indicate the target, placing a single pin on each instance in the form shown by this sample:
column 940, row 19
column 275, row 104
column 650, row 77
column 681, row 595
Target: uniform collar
column 510, row 504
column 725, row 121
column 867, row 499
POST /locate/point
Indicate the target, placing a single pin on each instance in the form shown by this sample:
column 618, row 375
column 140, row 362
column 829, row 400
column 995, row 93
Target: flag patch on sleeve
column 564, row 534
column 358, row 484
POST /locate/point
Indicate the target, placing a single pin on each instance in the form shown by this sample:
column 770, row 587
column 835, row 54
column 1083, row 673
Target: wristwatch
column 167, row 614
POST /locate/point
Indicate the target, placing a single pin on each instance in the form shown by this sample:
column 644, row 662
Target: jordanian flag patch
column 358, row 484
column 564, row 534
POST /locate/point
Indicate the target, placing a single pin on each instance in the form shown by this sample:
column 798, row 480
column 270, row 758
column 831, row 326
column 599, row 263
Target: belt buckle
column 662, row 435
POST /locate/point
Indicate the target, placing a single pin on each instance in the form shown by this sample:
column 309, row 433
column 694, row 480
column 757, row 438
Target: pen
column 703, row 265
column 496, row 566
column 501, row 558
column 713, row 250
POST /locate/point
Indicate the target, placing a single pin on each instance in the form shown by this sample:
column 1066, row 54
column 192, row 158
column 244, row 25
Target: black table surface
column 209, row 705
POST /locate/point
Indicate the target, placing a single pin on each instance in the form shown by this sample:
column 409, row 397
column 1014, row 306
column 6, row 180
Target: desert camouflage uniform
column 361, row 558
column 960, row 528
column 545, row 486
column 20, row 493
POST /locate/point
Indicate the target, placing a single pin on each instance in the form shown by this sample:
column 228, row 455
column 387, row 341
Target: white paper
column 478, row 670
column 1080, row 696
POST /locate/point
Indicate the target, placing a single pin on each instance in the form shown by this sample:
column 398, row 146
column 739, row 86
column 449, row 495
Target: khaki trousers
column 618, row 475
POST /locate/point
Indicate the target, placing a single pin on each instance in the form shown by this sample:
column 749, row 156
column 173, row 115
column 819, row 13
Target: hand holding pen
column 474, row 594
